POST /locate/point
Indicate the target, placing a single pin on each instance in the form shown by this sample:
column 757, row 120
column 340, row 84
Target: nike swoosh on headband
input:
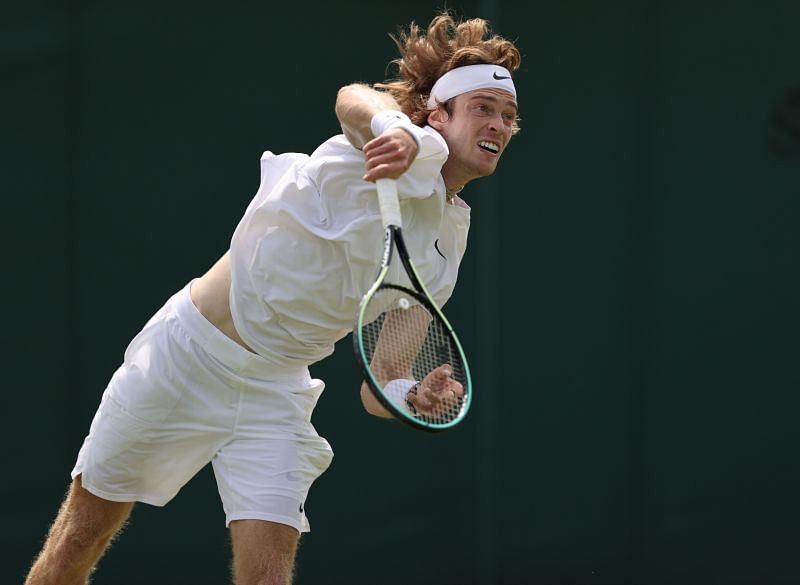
column 469, row 78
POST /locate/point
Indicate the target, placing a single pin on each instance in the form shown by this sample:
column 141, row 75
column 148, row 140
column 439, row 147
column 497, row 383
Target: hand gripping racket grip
column 389, row 202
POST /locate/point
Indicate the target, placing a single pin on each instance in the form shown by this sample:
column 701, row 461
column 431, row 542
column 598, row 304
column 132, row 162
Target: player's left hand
column 437, row 392
column 390, row 154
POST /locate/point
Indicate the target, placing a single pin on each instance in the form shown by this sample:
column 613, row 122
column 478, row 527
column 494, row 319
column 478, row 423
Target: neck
column 450, row 193
column 454, row 181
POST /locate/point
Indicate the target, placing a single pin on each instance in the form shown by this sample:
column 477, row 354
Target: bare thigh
column 94, row 514
column 263, row 552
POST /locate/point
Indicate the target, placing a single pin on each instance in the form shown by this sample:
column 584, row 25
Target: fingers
column 389, row 155
column 441, row 382
column 430, row 401
column 437, row 391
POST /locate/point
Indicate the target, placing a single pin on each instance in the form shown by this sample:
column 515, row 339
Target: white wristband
column 388, row 119
column 397, row 392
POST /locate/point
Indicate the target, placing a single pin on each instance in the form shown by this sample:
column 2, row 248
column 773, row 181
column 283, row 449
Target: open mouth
column 489, row 146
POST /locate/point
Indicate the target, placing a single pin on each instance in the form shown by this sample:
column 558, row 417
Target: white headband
column 469, row 78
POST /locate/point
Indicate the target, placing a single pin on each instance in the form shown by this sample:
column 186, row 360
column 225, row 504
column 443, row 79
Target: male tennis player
column 220, row 373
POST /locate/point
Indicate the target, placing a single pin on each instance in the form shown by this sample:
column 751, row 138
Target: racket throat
column 411, row 271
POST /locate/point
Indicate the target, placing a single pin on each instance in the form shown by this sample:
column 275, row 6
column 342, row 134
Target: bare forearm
column 371, row 404
column 355, row 106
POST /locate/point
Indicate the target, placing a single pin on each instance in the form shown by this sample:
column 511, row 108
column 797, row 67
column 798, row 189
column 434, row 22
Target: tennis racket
column 402, row 340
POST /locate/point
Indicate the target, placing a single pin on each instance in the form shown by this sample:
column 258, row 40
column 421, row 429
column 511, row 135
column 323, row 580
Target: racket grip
column 389, row 202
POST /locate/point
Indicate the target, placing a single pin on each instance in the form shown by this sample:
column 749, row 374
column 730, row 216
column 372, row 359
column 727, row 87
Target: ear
column 438, row 117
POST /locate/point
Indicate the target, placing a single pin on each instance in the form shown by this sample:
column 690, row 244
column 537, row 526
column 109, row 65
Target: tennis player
column 220, row 373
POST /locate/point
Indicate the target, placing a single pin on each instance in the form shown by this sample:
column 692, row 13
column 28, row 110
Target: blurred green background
column 629, row 299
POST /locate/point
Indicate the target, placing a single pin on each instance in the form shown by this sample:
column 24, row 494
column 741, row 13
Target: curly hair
column 447, row 44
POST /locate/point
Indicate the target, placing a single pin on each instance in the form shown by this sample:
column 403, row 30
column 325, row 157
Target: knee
column 75, row 538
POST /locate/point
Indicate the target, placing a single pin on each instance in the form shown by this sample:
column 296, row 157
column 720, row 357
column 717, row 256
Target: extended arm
column 399, row 341
column 401, row 337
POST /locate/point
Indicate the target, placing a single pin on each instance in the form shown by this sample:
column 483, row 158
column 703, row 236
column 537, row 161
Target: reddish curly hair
column 447, row 44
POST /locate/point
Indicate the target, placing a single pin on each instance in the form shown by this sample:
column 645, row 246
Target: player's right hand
column 390, row 154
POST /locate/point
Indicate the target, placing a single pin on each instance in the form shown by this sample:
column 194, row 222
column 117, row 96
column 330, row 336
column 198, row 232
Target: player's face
column 477, row 132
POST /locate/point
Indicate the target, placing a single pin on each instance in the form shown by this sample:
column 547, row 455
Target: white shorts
column 187, row 395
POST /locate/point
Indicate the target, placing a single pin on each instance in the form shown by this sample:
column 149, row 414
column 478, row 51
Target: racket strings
column 402, row 339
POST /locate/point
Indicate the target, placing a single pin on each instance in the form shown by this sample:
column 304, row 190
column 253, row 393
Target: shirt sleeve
column 424, row 176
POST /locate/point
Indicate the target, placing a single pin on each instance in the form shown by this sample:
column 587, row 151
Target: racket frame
column 393, row 239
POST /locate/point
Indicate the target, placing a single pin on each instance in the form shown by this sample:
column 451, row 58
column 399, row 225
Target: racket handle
column 389, row 202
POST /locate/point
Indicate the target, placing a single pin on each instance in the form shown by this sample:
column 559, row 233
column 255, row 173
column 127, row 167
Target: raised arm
column 356, row 104
column 372, row 122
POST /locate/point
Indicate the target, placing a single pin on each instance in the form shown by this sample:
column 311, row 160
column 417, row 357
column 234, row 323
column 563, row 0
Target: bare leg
column 263, row 552
column 78, row 538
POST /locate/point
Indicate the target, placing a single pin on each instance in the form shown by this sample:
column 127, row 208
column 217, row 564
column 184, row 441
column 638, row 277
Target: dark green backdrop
column 630, row 298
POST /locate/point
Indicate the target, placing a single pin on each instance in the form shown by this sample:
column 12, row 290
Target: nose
column 496, row 122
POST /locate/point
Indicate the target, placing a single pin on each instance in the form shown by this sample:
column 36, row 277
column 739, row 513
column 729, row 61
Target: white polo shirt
column 310, row 243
